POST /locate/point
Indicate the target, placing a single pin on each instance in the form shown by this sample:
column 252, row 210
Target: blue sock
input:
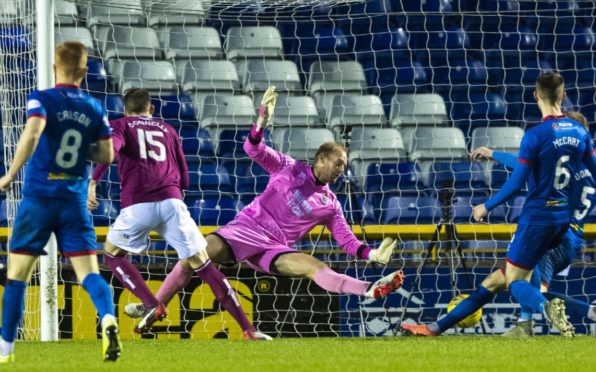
column 574, row 306
column 13, row 303
column 527, row 295
column 474, row 302
column 100, row 294
column 526, row 312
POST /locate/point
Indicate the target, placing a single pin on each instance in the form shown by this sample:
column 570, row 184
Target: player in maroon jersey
column 153, row 172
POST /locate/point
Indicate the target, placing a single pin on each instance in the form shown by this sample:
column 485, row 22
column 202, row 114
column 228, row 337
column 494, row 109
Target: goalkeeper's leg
column 302, row 265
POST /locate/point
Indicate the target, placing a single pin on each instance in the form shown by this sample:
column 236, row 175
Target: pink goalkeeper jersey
column 293, row 202
column 151, row 163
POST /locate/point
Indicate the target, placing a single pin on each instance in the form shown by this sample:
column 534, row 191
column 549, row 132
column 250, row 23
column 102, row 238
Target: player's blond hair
column 577, row 116
column 550, row 87
column 71, row 59
column 328, row 148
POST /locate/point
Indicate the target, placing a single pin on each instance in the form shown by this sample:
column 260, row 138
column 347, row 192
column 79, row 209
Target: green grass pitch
column 448, row 353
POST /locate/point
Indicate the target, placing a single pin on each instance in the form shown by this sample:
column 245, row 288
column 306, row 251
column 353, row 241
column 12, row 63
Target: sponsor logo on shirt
column 62, row 176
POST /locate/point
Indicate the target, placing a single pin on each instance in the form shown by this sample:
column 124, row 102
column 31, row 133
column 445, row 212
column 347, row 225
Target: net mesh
column 410, row 87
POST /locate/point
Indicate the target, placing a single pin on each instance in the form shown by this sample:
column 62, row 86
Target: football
column 469, row 321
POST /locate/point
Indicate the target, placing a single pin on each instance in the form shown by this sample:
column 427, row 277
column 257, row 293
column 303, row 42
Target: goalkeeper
column 555, row 261
column 296, row 199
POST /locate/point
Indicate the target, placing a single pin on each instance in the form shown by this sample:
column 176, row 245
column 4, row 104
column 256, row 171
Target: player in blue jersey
column 65, row 128
column 583, row 199
column 550, row 153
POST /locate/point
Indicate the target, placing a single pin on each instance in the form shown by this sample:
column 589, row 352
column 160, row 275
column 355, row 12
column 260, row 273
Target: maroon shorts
column 251, row 243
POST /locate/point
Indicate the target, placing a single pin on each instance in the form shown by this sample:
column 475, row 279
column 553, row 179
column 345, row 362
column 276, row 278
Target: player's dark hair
column 550, row 86
column 136, row 101
column 577, row 116
column 328, row 148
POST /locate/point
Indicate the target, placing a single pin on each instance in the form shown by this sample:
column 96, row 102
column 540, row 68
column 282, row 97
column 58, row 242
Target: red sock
column 131, row 278
column 224, row 293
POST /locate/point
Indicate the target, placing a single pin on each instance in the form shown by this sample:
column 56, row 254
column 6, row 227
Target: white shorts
column 169, row 218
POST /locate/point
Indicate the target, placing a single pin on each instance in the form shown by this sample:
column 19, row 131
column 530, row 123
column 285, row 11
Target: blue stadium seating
column 214, row 210
column 409, row 210
column 196, row 144
column 113, row 103
column 208, row 179
column 465, row 178
column 3, row 213
column 15, row 38
column 248, row 177
column 426, row 14
column 392, row 177
column 106, row 212
column 97, row 77
column 471, row 110
column 174, row 107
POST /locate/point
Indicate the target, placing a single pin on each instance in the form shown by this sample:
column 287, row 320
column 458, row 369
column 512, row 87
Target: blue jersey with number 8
column 554, row 150
column 74, row 120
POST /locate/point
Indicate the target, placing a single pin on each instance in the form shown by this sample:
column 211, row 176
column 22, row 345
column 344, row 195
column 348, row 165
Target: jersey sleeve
column 505, row 158
column 528, row 150
column 35, row 105
column 343, row 234
column 117, row 134
column 104, row 129
column 272, row 161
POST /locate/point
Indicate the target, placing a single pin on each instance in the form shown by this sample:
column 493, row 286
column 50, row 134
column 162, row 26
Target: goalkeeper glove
column 267, row 107
column 383, row 254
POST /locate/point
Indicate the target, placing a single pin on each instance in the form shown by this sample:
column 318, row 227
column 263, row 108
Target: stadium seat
column 351, row 16
column 3, row 213
column 175, row 13
column 133, row 42
column 106, row 212
column 317, row 43
column 208, row 179
column 226, row 111
column 210, row 76
column 463, row 177
column 462, row 208
column 295, row 111
column 253, row 42
column 373, row 145
column 426, row 15
column 408, row 210
column 96, row 79
column 417, row 110
column 249, row 178
column 351, row 110
column 65, row 13
column 470, row 110
column 303, row 143
column 260, row 74
column 229, row 143
column 334, row 77
column 328, row 79
column 214, row 211
column 507, row 139
column 443, row 46
column 158, row 77
column 120, row 12
column 9, row 13
column 13, row 38
column 81, row 34
column 392, row 177
column 437, row 144
column 113, row 103
column 196, row 144
column 468, row 74
column 177, row 107
column 183, row 42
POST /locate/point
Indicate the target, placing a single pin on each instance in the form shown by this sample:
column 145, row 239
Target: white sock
column 6, row 347
column 106, row 318
column 592, row 313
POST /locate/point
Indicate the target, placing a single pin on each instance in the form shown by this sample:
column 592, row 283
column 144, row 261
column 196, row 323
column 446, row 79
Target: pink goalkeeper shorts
column 251, row 243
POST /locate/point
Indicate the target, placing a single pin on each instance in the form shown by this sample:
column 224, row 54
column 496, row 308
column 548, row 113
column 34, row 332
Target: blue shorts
column 531, row 242
column 69, row 219
column 558, row 259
